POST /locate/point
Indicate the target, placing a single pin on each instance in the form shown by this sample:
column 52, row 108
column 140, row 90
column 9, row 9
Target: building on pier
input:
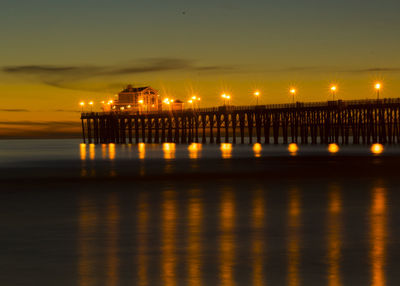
column 135, row 99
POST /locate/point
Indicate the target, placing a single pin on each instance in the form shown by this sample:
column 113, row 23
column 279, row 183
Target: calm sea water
column 145, row 214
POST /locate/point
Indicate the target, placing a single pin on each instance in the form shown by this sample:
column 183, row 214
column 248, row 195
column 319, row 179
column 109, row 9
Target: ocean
column 148, row 214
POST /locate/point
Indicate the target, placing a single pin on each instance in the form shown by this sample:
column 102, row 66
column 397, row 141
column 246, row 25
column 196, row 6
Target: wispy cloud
column 66, row 76
column 46, row 129
column 49, row 124
column 14, row 110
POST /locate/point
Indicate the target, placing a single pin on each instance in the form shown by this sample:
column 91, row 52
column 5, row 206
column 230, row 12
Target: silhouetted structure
column 342, row 122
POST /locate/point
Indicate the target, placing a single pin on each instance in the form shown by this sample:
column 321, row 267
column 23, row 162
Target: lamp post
column 224, row 96
column 293, row 92
column 91, row 106
column 333, row 91
column 140, row 101
column 191, row 102
column 81, row 104
column 377, row 88
column 257, row 95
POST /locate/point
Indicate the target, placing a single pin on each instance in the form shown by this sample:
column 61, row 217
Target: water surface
column 206, row 215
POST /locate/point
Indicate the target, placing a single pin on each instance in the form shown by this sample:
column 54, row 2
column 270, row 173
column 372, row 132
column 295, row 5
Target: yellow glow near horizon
column 378, row 86
column 377, row 148
column 333, row 148
column 90, row 102
column 293, row 91
column 257, row 148
column 81, row 103
column 226, row 150
column 334, row 88
column 293, row 148
column 257, row 93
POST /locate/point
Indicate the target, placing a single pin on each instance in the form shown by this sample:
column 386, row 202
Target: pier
column 340, row 122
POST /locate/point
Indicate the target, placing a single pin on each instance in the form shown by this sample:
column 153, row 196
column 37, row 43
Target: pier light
column 333, row 91
column 224, row 97
column 141, row 101
column 378, row 87
column 172, row 100
column 122, row 108
column 194, row 97
column 293, row 92
column 82, row 104
column 129, row 106
column 257, row 95
column 91, row 105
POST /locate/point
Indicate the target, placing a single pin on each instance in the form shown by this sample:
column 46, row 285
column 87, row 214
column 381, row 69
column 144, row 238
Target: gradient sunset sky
column 56, row 53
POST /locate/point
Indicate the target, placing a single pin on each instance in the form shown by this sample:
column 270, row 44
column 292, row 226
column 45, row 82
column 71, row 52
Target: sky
column 55, row 53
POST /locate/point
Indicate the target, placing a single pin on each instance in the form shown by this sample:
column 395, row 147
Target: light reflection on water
column 142, row 239
column 168, row 243
column 258, row 239
column 334, row 229
column 226, row 150
column 188, row 245
column 293, row 247
column 194, row 229
column 88, row 221
column 112, row 247
column 172, row 151
column 169, row 150
column 227, row 238
column 195, row 150
column 378, row 236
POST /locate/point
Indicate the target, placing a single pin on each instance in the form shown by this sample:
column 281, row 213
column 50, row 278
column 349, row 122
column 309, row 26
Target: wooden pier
column 341, row 122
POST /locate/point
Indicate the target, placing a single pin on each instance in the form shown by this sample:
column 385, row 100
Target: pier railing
column 341, row 103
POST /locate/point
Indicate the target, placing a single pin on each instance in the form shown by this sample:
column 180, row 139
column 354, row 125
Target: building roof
column 130, row 88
